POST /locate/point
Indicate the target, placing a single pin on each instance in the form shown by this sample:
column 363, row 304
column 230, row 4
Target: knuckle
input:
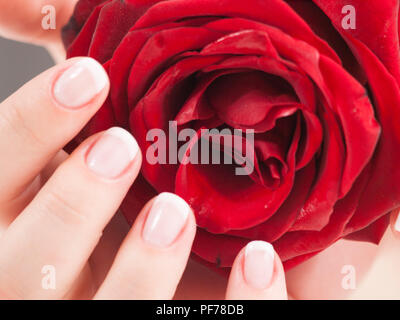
column 54, row 205
column 13, row 119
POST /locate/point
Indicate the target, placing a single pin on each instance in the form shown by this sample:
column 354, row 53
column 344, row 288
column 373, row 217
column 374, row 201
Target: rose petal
column 319, row 206
column 115, row 19
column 374, row 232
column 382, row 194
column 138, row 195
column 354, row 108
column 82, row 12
column 293, row 244
column 272, row 12
column 81, row 44
column 157, row 52
column 376, row 27
column 283, row 219
column 247, row 97
column 224, row 201
column 322, row 26
column 220, row 250
column 164, row 99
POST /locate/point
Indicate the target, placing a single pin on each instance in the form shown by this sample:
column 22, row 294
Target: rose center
column 250, row 100
column 246, row 98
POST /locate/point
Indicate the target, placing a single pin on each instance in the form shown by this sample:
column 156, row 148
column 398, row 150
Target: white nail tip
column 260, row 246
column 126, row 138
column 181, row 206
column 100, row 77
column 397, row 224
column 80, row 83
column 166, row 220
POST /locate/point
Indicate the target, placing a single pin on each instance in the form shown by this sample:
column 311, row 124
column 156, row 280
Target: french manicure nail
column 166, row 220
column 397, row 223
column 258, row 264
column 112, row 153
column 80, row 83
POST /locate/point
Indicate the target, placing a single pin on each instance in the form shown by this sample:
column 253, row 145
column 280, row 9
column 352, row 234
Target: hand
column 351, row 270
column 54, row 206
column 22, row 20
column 42, row 164
column 320, row 277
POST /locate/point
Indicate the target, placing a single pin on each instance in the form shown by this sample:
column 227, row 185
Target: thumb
column 382, row 280
column 37, row 22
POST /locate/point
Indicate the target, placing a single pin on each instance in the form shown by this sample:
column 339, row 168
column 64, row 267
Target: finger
column 52, row 166
column 11, row 209
column 257, row 274
column 395, row 223
column 23, row 22
column 41, row 117
column 151, row 260
column 199, row 282
column 381, row 280
column 333, row 273
column 64, row 222
column 107, row 248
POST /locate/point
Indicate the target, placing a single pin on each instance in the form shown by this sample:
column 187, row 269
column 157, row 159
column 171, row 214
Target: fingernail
column 80, row 83
column 397, row 223
column 258, row 264
column 166, row 220
column 112, row 153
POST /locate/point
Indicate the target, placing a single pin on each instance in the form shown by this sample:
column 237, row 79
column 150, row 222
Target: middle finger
column 63, row 224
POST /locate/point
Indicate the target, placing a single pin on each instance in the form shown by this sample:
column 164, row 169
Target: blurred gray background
column 19, row 63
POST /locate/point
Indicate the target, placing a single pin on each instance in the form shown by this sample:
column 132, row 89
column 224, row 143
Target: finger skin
column 34, row 127
column 329, row 274
column 61, row 226
column 142, row 271
column 381, row 280
column 239, row 289
column 11, row 209
column 22, row 21
column 107, row 248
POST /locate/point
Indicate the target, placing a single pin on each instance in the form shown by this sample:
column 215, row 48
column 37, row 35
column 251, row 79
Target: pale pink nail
column 80, row 83
column 258, row 264
column 166, row 220
column 112, row 153
column 397, row 223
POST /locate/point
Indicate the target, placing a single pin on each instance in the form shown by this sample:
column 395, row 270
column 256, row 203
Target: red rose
column 317, row 81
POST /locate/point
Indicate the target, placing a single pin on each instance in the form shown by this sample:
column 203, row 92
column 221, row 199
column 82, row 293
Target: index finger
column 43, row 116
